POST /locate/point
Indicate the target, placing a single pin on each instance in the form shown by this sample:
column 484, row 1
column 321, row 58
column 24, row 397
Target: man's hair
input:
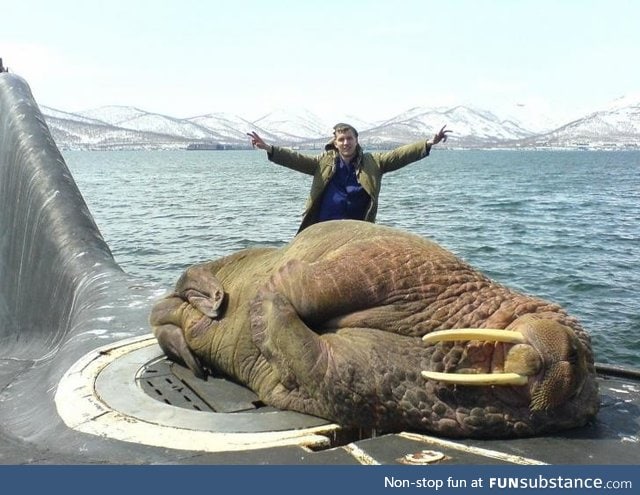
column 342, row 127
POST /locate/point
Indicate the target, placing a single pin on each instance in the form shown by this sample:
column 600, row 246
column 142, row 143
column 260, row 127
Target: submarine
column 83, row 380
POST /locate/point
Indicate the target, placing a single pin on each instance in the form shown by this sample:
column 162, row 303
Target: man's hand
column 257, row 141
column 441, row 136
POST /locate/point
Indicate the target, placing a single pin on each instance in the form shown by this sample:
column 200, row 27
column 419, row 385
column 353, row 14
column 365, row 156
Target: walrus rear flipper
column 202, row 290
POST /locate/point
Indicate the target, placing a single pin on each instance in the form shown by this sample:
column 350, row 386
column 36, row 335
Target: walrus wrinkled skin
column 331, row 325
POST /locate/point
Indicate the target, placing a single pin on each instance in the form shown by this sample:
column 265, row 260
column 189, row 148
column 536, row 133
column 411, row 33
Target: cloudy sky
column 370, row 59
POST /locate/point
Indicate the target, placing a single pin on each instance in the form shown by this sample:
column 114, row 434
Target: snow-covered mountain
column 230, row 128
column 294, row 126
column 534, row 116
column 75, row 131
column 472, row 127
column 616, row 126
column 118, row 127
column 113, row 114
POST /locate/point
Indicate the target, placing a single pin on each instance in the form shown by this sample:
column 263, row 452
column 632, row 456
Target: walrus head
column 543, row 360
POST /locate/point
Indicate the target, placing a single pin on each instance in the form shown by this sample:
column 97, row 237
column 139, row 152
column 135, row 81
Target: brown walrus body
column 332, row 325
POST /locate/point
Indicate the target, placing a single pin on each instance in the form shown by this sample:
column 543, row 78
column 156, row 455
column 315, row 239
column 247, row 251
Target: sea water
column 562, row 225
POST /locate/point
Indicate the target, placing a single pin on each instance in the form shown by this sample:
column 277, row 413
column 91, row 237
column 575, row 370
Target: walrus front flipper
column 172, row 342
column 348, row 376
column 282, row 336
column 294, row 351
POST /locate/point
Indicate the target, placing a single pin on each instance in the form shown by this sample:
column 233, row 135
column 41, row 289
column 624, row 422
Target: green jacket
column 369, row 170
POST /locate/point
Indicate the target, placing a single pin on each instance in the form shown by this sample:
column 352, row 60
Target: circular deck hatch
column 129, row 391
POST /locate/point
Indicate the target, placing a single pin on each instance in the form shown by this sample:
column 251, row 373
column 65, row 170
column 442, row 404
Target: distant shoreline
column 628, row 148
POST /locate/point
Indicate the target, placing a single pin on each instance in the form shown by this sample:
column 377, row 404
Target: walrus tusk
column 477, row 379
column 488, row 334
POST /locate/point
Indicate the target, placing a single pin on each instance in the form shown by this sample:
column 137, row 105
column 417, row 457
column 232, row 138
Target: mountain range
column 123, row 127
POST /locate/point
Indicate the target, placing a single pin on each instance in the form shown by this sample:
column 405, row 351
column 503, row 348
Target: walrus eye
column 573, row 357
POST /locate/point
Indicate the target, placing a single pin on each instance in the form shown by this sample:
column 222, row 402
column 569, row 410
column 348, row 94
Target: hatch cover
column 176, row 385
column 129, row 391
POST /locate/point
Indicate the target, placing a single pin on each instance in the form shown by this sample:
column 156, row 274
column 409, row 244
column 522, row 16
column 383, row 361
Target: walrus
column 373, row 327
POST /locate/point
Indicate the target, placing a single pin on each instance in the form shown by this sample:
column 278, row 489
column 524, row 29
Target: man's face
column 346, row 142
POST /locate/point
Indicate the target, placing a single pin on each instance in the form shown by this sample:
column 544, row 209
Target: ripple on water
column 561, row 225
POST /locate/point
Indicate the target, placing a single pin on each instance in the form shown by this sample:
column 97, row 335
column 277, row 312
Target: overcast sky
column 367, row 59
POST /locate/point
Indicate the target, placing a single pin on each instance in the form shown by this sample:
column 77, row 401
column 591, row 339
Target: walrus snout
column 565, row 361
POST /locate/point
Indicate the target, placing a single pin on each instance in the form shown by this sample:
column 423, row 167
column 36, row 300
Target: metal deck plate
column 176, row 385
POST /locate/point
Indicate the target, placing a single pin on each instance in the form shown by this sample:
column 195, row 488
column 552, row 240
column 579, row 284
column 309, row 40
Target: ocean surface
column 562, row 225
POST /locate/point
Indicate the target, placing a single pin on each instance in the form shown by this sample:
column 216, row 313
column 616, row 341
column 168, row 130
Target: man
column 346, row 180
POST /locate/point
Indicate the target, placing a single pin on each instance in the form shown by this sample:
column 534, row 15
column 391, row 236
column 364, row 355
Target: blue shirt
column 343, row 197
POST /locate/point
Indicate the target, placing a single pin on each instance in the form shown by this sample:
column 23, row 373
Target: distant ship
column 207, row 146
